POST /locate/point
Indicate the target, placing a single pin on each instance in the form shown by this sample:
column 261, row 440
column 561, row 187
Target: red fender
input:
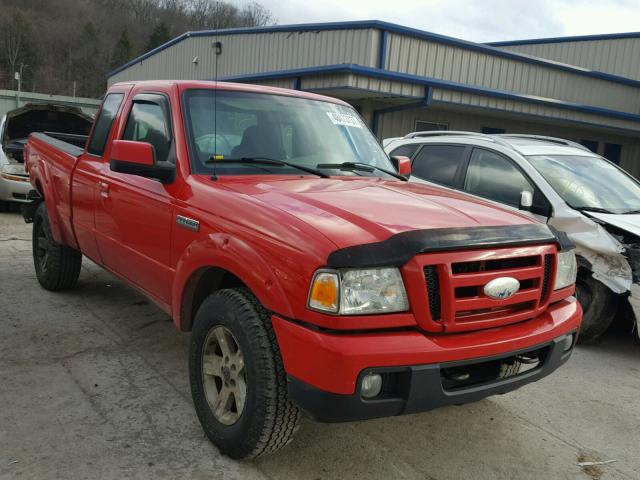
column 40, row 178
column 223, row 251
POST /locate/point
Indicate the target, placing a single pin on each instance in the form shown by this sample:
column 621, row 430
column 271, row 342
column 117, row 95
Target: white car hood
column 629, row 223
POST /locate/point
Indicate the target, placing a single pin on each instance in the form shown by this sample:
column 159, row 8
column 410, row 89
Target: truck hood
column 351, row 211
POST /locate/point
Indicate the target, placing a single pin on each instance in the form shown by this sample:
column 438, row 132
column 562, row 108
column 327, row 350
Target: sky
column 479, row 21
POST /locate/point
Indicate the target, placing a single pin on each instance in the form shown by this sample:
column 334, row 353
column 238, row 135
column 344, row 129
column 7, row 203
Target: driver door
column 134, row 214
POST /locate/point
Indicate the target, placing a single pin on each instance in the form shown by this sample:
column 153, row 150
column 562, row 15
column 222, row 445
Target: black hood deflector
column 402, row 247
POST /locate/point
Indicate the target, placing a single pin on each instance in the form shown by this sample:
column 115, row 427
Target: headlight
column 358, row 292
column 567, row 270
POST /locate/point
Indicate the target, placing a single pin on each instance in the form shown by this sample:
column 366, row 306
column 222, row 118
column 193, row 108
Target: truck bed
column 65, row 142
column 54, row 160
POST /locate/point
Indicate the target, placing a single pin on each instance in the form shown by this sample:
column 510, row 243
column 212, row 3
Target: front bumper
column 419, row 388
column 14, row 188
column 325, row 369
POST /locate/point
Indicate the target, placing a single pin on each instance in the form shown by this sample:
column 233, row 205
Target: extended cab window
column 148, row 123
column 492, row 176
column 104, row 123
column 438, row 163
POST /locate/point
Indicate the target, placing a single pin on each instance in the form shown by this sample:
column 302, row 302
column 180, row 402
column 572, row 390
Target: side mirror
column 526, row 200
column 402, row 164
column 139, row 158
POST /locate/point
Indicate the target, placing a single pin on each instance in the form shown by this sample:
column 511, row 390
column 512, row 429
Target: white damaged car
column 58, row 120
column 558, row 182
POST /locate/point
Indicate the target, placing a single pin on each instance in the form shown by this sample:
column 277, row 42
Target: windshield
column 587, row 182
column 227, row 125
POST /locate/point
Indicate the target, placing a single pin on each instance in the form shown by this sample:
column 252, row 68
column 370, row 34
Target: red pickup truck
column 313, row 278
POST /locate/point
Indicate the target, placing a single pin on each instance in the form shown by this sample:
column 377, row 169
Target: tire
column 57, row 266
column 599, row 305
column 263, row 420
column 5, row 206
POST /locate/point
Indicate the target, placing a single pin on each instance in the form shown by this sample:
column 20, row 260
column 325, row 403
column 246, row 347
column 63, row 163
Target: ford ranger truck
column 312, row 276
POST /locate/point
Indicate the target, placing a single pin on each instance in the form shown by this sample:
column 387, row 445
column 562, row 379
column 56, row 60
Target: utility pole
column 16, row 76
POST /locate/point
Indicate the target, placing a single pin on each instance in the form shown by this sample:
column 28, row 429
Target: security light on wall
column 195, row 60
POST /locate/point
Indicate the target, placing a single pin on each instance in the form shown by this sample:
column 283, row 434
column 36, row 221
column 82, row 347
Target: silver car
column 14, row 130
column 559, row 182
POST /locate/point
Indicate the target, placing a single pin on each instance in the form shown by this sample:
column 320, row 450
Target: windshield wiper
column 363, row 167
column 593, row 209
column 267, row 161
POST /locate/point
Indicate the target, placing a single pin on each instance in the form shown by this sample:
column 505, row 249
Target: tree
column 161, row 34
column 122, row 52
column 17, row 47
column 64, row 51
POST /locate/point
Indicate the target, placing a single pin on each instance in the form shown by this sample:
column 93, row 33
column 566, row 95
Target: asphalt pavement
column 93, row 384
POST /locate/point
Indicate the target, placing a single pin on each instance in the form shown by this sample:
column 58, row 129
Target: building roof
column 385, row 27
column 577, row 38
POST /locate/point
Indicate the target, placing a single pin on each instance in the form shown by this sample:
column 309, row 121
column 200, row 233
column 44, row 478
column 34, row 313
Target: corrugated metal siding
column 431, row 59
column 258, row 52
column 617, row 56
column 400, row 123
column 278, row 83
column 483, row 101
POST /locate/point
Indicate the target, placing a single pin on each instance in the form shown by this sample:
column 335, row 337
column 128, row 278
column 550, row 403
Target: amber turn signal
column 325, row 292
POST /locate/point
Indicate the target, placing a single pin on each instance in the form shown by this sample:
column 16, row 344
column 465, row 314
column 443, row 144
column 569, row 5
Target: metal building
column 402, row 79
column 12, row 99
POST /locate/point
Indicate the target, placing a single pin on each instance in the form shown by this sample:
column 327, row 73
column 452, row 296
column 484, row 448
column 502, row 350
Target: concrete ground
column 93, row 384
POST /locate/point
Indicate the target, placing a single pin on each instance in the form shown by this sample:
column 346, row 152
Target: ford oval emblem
column 501, row 288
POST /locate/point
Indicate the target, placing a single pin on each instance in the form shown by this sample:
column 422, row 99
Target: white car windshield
column 589, row 183
column 243, row 133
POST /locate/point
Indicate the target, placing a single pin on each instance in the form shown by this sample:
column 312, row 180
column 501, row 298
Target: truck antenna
column 218, row 50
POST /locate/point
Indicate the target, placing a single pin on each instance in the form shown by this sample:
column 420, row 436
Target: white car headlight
column 358, row 292
column 567, row 270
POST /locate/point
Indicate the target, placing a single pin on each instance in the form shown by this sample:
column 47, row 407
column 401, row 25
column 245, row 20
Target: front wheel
column 238, row 382
column 599, row 306
column 57, row 266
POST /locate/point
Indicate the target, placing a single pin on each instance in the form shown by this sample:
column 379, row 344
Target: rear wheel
column 599, row 305
column 238, row 382
column 57, row 266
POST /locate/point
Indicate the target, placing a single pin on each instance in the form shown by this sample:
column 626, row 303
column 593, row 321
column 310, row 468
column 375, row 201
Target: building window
column 430, row 126
column 492, row 130
column 591, row 145
column 613, row 152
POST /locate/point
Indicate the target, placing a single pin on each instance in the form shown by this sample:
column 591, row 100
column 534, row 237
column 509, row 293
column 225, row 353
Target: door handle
column 104, row 189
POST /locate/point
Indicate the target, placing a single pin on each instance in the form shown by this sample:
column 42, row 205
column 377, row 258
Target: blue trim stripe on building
column 577, row 38
column 382, row 52
column 390, row 28
column 426, row 101
column 434, row 82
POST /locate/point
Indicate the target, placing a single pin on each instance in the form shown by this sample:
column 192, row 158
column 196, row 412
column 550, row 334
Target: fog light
column 568, row 342
column 371, row 385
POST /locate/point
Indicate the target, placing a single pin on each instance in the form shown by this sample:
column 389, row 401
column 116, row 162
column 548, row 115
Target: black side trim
column 59, row 144
column 402, row 247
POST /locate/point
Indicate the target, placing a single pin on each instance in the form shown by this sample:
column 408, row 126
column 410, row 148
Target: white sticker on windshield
column 344, row 119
